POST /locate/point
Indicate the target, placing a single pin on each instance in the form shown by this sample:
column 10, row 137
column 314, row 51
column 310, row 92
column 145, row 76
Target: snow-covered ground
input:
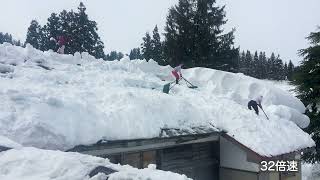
column 56, row 101
column 36, row 164
column 310, row 171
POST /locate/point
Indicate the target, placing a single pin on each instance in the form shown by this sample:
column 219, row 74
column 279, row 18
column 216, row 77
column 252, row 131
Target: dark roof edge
column 181, row 139
column 3, row 148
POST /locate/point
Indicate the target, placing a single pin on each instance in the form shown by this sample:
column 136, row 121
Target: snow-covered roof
column 174, row 132
column 36, row 164
column 57, row 101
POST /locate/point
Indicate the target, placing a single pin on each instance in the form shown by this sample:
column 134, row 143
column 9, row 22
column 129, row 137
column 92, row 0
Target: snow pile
column 284, row 85
column 36, row 164
column 310, row 171
column 5, row 142
column 57, row 101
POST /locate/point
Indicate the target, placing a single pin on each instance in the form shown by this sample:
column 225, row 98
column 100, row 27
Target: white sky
column 278, row 26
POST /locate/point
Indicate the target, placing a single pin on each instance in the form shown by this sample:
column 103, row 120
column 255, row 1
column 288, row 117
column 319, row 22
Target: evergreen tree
column 120, row 55
column 1, row 38
column 278, row 70
column 232, row 64
column 51, row 30
column 270, row 68
column 235, row 68
column 179, row 35
column 114, row 55
column 67, row 28
column 243, row 67
column 194, row 35
column 290, row 71
column 34, row 35
column 6, row 37
column 157, row 50
column 285, row 70
column 76, row 27
column 307, row 80
column 84, row 34
column 265, row 66
column 17, row 43
column 135, row 54
column 146, row 47
column 254, row 66
column 248, row 64
column 261, row 66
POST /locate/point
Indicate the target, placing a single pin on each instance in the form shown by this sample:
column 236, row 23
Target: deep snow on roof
column 57, row 101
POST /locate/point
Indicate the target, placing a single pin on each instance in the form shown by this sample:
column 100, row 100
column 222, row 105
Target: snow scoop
column 264, row 113
column 166, row 87
column 192, row 86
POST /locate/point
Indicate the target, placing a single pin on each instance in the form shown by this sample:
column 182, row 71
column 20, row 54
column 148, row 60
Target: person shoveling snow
column 61, row 41
column 255, row 104
column 176, row 72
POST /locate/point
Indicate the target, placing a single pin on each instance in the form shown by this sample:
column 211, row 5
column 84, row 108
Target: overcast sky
column 278, row 26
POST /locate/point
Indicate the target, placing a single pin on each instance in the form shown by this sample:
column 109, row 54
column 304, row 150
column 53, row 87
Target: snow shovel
column 264, row 113
column 166, row 87
column 192, row 86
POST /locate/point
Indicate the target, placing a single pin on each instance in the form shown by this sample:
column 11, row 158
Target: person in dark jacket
column 255, row 103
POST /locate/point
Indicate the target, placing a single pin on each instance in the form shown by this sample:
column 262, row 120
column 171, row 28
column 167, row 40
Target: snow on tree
column 146, row 47
column 290, row 71
column 135, row 54
column 157, row 50
column 6, row 37
column 114, row 55
column 307, row 78
column 34, row 35
column 80, row 32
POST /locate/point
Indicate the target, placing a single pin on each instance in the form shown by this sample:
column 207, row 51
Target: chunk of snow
column 6, row 69
column 5, row 142
column 284, row 85
column 52, row 39
column 292, row 114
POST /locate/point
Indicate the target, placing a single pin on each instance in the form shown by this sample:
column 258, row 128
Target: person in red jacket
column 62, row 41
column 176, row 72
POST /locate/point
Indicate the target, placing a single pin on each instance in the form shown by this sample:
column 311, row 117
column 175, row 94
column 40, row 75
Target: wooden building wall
column 235, row 174
column 198, row 161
